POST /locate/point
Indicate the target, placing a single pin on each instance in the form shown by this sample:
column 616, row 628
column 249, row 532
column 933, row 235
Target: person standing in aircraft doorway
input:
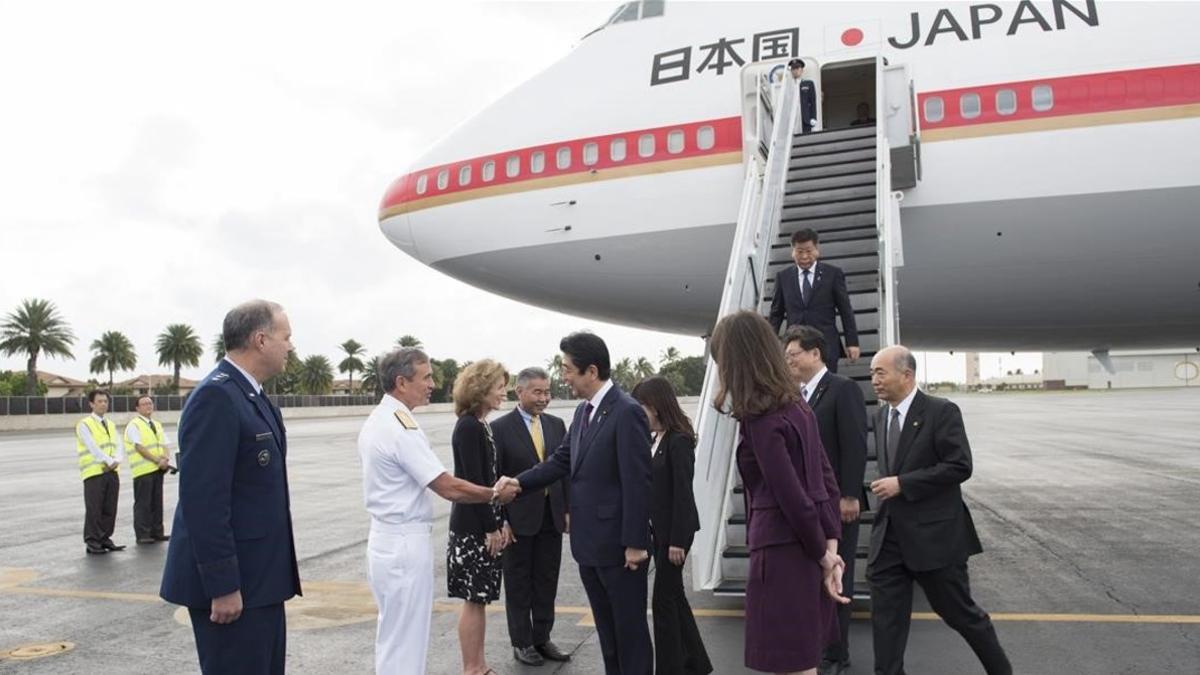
column 808, row 96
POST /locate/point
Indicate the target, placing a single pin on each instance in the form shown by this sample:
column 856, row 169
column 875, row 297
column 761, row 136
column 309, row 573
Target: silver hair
column 904, row 359
column 531, row 373
column 248, row 318
column 399, row 363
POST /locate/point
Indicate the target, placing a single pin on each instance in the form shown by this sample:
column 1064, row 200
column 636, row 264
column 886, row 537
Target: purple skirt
column 789, row 618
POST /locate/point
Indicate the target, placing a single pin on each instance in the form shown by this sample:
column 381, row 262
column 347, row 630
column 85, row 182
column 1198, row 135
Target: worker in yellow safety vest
column 100, row 454
column 149, row 459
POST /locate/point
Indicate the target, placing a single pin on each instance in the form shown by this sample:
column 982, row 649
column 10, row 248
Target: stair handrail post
column 886, row 215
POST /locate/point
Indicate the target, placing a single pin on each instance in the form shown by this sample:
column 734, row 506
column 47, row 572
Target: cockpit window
column 632, row 11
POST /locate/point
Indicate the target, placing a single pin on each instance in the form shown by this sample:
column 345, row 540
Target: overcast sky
column 160, row 162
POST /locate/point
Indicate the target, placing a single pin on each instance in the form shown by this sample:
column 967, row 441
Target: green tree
column 409, row 341
column 287, row 382
column 178, row 346
column 686, row 375
column 12, row 383
column 370, row 377
column 643, row 369
column 218, row 347
column 622, row 374
column 33, row 329
column 352, row 363
column 444, row 374
column 113, row 351
column 316, row 375
column 669, row 355
column 558, row 389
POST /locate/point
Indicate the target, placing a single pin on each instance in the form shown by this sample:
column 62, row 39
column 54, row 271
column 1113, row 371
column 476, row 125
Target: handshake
column 507, row 489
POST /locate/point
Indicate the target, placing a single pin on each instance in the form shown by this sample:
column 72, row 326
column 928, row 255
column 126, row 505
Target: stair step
column 829, row 196
column 818, row 137
column 847, row 168
column 802, row 149
column 830, row 223
column 835, row 209
column 833, row 249
column 802, row 185
column 848, row 265
column 810, row 161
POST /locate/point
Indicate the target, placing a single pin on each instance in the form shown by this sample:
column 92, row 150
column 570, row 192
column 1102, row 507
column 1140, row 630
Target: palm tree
column 178, row 346
column 409, row 341
column 218, row 347
column 113, row 351
column 643, row 368
column 316, row 375
column 555, row 365
column 622, row 374
column 32, row 329
column 351, row 363
column 370, row 378
column 669, row 355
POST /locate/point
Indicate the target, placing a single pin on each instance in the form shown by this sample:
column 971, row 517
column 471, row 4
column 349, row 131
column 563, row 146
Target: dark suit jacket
column 808, row 104
column 473, row 461
column 233, row 523
column 515, row 453
column 673, row 512
column 609, row 469
column 933, row 459
column 842, row 418
column 829, row 298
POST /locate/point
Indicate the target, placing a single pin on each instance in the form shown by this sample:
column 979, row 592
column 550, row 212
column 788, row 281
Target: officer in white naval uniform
column 398, row 464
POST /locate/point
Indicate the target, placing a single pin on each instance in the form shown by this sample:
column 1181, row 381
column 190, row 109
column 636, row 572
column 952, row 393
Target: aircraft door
column 898, row 115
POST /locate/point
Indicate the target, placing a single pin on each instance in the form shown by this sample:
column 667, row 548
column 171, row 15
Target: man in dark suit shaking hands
column 232, row 557
column 535, row 522
column 813, row 293
column 922, row 531
column 607, row 457
column 842, row 420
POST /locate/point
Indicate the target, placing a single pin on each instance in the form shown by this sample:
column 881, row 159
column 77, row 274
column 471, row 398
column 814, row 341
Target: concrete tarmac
column 1084, row 501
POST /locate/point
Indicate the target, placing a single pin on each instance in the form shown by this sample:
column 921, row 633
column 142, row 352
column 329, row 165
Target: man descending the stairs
column 813, row 293
column 841, row 414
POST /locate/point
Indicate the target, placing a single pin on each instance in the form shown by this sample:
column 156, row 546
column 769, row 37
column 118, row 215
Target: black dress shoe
column 162, row 537
column 552, row 652
column 112, row 547
column 528, row 655
column 829, row 667
column 145, row 540
column 96, row 550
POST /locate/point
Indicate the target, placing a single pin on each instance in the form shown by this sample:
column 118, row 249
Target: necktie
column 587, row 419
column 539, row 442
column 893, row 442
column 806, row 287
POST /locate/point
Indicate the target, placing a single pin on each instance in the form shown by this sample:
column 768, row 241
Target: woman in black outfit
column 475, row 541
column 674, row 520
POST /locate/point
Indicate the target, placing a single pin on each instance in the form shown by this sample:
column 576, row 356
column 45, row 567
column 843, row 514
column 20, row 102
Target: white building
column 1148, row 368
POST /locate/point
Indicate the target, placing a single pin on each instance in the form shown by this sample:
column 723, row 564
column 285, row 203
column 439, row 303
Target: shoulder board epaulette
column 220, row 376
column 406, row 420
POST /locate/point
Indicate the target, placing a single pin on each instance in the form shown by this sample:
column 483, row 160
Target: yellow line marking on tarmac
column 353, row 601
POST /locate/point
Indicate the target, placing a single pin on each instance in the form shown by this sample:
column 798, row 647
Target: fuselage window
column 652, row 8
column 512, row 166
column 464, row 175
column 935, row 109
column 489, row 170
column 968, row 105
column 537, row 163
column 646, row 145
column 1006, row 101
column 1043, row 98
column 675, row 142
column 443, row 179
column 422, row 183
column 628, row 12
column 591, row 153
column 706, row 138
column 616, row 150
column 562, row 158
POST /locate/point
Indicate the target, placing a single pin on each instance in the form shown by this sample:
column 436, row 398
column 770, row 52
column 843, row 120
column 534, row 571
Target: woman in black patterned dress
column 476, row 539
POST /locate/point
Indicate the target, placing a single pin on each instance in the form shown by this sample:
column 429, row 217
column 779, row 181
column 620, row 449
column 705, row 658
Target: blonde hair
column 474, row 383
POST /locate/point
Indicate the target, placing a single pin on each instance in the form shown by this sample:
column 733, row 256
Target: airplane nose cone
column 394, row 222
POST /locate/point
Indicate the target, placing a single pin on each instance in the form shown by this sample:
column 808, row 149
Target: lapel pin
column 916, row 423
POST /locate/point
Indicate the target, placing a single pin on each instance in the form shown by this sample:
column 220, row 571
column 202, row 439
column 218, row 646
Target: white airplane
column 1059, row 206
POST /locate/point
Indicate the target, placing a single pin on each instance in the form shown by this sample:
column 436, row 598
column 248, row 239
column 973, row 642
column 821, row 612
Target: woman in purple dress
column 792, row 517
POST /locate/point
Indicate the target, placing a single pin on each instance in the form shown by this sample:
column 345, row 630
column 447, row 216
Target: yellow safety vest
column 153, row 440
column 105, row 436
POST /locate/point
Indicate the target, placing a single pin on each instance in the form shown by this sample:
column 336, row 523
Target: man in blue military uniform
column 808, row 96
column 232, row 557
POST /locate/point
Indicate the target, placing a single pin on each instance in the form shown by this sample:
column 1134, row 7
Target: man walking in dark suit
column 923, row 530
column 813, row 293
column 535, row 522
column 842, row 420
column 232, row 557
column 607, row 457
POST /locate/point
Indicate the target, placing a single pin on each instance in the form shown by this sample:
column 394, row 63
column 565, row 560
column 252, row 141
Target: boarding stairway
column 840, row 183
